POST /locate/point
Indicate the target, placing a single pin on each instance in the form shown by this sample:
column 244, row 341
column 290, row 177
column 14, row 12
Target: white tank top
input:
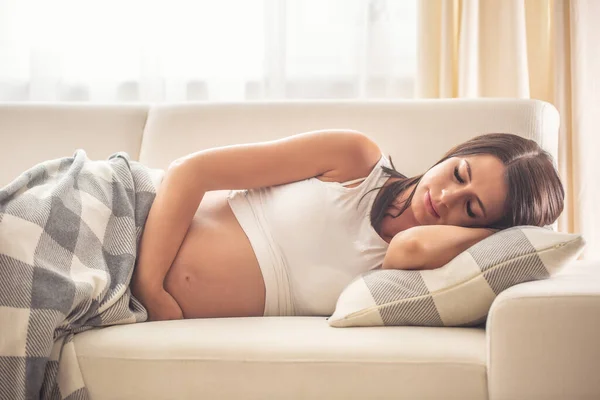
column 311, row 239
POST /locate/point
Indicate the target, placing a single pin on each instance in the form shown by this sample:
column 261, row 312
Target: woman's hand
column 161, row 306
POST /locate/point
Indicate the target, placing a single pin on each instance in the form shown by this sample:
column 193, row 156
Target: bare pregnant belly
column 215, row 272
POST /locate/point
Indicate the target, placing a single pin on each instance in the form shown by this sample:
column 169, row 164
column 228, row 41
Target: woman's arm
column 168, row 221
column 166, row 226
column 235, row 167
column 431, row 246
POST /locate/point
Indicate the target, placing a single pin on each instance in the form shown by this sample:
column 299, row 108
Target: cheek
column 415, row 198
column 496, row 214
column 417, row 205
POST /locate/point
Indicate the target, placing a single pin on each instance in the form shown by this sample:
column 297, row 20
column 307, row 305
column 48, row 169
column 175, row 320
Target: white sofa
column 540, row 341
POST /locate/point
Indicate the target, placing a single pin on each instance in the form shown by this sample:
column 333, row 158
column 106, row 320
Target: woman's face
column 465, row 191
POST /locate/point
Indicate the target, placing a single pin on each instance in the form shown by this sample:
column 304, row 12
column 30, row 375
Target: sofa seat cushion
column 281, row 357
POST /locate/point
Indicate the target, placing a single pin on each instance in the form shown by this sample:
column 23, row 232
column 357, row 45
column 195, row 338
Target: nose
column 450, row 196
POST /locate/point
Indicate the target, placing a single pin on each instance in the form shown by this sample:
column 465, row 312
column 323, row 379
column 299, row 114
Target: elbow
column 191, row 170
column 404, row 253
column 185, row 171
column 176, row 163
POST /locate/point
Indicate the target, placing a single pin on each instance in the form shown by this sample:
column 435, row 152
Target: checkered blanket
column 69, row 233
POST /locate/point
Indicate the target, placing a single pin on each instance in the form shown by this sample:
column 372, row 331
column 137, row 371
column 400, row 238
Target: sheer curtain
column 214, row 50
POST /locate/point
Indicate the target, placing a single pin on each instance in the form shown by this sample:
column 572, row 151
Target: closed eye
column 469, row 211
column 457, row 175
column 459, row 179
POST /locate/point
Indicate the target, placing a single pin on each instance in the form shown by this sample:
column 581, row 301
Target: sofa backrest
column 416, row 133
column 32, row 133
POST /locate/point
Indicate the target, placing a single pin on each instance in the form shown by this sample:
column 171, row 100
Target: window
column 217, row 50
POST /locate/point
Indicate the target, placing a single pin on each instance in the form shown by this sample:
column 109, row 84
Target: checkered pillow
column 461, row 292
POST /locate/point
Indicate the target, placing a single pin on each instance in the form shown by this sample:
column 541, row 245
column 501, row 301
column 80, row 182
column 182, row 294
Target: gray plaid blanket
column 69, row 233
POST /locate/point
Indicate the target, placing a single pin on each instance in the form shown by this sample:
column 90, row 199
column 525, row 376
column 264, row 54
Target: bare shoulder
column 357, row 163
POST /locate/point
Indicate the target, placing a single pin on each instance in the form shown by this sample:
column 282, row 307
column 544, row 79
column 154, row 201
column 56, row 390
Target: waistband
column 278, row 301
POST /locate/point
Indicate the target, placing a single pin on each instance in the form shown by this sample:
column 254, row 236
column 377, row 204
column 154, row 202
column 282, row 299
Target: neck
column 391, row 226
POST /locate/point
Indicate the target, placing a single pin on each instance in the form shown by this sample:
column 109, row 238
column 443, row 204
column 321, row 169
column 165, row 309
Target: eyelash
column 460, row 180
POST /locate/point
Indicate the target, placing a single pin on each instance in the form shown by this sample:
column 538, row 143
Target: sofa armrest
column 543, row 337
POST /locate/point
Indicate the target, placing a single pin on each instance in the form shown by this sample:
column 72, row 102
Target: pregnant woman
column 281, row 227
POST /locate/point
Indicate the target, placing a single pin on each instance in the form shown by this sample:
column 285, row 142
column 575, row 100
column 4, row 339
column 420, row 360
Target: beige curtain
column 542, row 49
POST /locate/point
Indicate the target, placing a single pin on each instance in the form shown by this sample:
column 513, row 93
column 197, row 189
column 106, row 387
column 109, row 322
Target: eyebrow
column 470, row 179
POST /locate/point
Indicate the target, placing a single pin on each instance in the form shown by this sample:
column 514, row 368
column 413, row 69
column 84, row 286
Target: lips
column 429, row 205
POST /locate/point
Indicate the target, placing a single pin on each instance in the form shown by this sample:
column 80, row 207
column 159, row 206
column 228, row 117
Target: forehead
column 488, row 183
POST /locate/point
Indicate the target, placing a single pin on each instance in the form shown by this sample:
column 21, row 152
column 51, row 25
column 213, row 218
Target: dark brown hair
column 535, row 192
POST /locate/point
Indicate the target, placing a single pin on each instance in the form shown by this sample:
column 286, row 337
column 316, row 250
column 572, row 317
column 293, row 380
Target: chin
column 425, row 220
column 420, row 216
